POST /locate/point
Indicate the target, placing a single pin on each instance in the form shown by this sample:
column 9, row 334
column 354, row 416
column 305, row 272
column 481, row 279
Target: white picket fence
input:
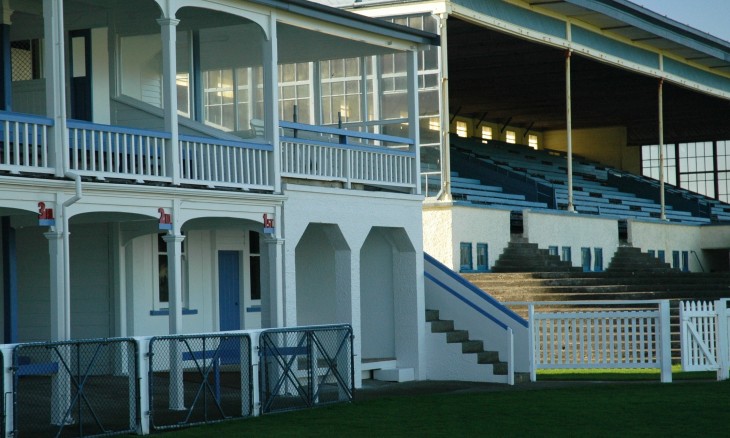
column 705, row 336
column 600, row 338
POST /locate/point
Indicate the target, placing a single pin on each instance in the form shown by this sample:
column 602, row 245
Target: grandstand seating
column 517, row 177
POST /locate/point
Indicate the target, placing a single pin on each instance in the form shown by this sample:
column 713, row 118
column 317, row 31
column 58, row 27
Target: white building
column 153, row 181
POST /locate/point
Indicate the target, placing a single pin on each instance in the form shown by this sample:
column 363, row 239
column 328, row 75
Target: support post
column 569, row 129
column 168, row 27
column 665, row 344
column 723, row 339
column 444, row 122
column 413, row 122
column 174, row 278
column 531, row 342
column 55, row 73
column 662, row 201
column 271, row 101
column 60, row 324
column 275, row 308
column 10, row 283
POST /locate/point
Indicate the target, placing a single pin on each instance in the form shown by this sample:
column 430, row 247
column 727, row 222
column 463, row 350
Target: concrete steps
column 468, row 346
column 523, row 256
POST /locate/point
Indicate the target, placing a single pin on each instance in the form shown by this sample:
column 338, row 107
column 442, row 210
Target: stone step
column 432, row 315
column 442, row 326
column 472, row 346
column 457, row 336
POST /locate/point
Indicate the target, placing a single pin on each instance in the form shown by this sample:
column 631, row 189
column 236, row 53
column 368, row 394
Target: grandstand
column 598, row 189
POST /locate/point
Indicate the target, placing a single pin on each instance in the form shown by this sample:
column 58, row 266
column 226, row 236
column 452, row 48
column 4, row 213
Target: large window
column 341, row 91
column 702, row 167
column 295, row 90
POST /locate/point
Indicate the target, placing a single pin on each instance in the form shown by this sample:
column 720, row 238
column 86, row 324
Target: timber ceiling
column 502, row 78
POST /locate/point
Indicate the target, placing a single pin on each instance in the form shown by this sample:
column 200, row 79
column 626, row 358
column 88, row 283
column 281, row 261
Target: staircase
column 632, row 275
column 468, row 346
column 630, row 259
column 523, row 256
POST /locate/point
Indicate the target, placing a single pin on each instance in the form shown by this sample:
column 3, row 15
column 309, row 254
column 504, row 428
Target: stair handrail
column 480, row 293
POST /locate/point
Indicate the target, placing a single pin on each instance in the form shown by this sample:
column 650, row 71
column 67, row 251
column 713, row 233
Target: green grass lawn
column 601, row 409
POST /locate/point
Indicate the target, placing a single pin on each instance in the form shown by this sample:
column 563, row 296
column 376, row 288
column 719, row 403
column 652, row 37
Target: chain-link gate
column 301, row 368
column 75, row 388
column 199, row 379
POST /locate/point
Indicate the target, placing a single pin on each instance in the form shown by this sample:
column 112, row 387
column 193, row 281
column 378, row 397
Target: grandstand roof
column 517, row 75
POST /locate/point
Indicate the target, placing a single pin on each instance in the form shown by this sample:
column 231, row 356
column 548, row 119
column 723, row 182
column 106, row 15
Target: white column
column 271, row 100
column 174, row 278
column 275, row 306
column 569, row 128
column 445, row 194
column 662, row 201
column 59, row 314
column 55, row 73
column 60, row 327
column 413, row 128
column 665, row 347
column 168, row 27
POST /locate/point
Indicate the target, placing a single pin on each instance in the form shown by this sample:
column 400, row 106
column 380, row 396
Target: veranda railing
column 24, row 146
column 324, row 153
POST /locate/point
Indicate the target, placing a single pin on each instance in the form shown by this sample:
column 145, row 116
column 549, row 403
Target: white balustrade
column 105, row 151
column 331, row 154
column 215, row 162
column 24, row 145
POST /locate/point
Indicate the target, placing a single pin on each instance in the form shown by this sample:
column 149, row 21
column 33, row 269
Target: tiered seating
column 473, row 191
column 592, row 191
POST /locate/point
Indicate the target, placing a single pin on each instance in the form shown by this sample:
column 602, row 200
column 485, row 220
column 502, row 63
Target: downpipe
column 66, row 249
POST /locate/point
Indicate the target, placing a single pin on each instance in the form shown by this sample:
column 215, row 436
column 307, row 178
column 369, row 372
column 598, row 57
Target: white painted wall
column 574, row 230
column 316, row 280
column 34, row 298
column 376, row 292
column 355, row 213
column 446, row 225
column 91, row 310
column 668, row 237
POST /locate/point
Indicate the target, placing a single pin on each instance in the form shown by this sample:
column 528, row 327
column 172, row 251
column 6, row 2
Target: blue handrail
column 478, row 292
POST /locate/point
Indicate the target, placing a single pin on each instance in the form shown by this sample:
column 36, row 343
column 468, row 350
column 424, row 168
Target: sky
column 710, row 16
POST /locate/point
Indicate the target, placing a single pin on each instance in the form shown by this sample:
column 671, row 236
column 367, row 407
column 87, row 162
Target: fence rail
column 199, row 379
column 76, row 388
column 24, row 146
column 600, row 338
column 301, row 369
column 137, row 385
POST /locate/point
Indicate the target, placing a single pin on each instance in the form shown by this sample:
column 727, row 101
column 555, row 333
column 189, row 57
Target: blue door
column 229, row 284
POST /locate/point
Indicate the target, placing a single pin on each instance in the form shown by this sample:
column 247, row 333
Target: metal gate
column 301, row 368
column 199, row 379
column 75, row 388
